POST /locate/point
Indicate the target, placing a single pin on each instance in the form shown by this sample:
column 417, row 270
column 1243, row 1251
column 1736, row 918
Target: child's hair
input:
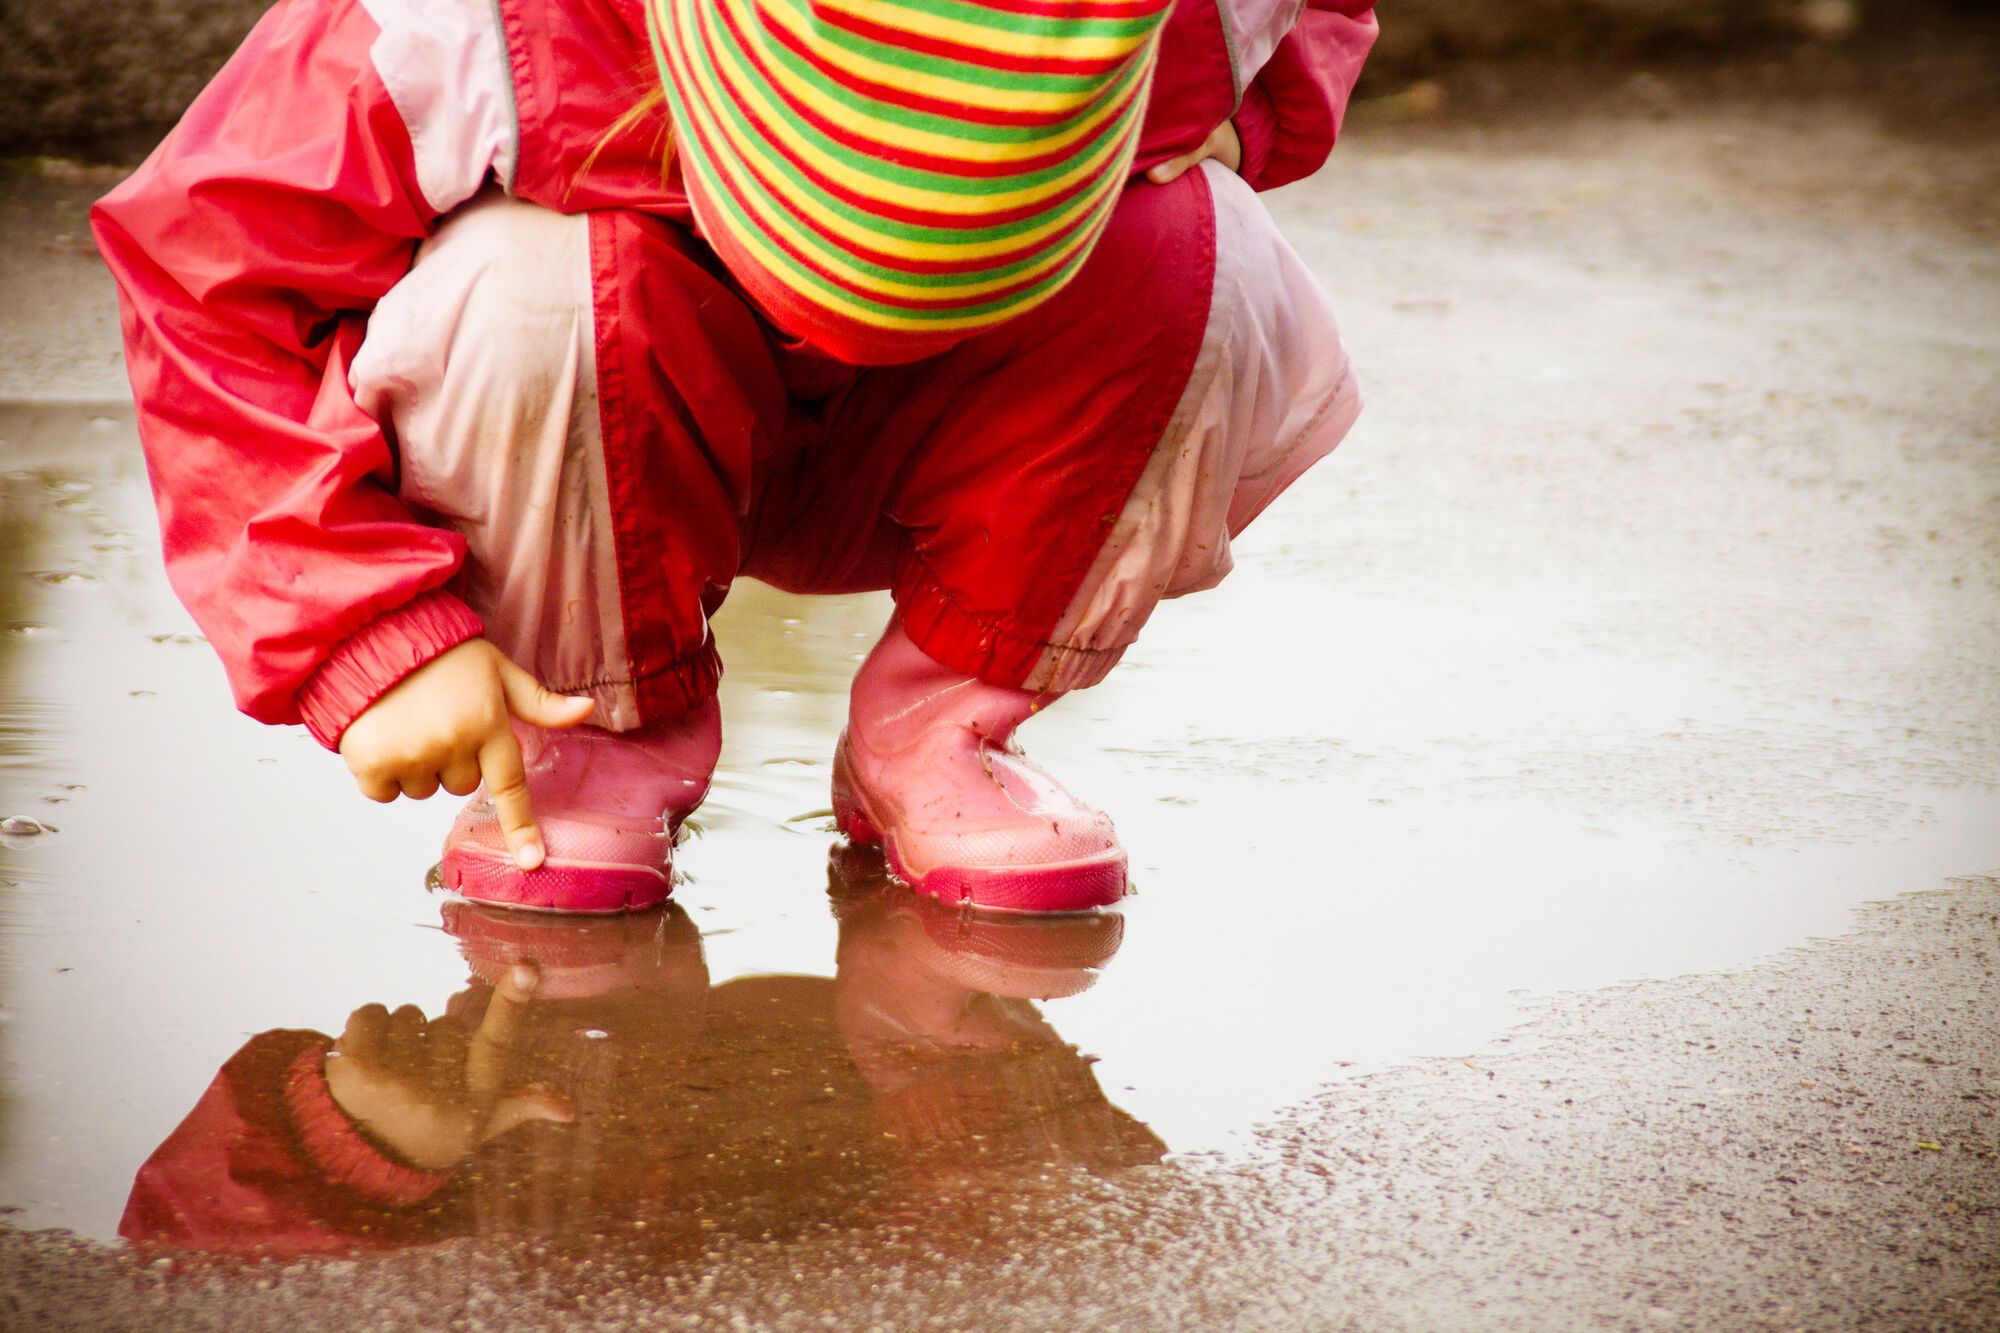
column 654, row 102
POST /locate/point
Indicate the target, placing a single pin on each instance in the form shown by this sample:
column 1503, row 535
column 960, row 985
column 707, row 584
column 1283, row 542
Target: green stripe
column 970, row 131
column 804, row 277
column 1034, row 25
column 920, row 62
column 832, row 250
column 879, row 225
column 826, row 247
column 895, row 227
column 941, row 182
column 892, row 229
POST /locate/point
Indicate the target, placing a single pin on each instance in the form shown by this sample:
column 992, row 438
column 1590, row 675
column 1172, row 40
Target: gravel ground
column 1809, row 1144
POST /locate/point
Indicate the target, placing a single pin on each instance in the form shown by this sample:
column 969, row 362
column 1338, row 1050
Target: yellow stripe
column 777, row 265
column 779, row 222
column 791, row 219
column 981, row 38
column 929, row 141
column 776, row 219
column 861, row 182
column 925, row 84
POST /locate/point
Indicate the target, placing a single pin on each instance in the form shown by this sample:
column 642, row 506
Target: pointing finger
column 507, row 783
column 487, row 1056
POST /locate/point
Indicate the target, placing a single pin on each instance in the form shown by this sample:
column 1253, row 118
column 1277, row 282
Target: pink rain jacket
column 251, row 246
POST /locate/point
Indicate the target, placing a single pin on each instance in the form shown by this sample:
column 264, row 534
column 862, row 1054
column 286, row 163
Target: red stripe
column 1050, row 243
column 771, row 193
column 976, row 56
column 905, row 303
column 915, row 101
column 866, row 203
column 970, row 169
column 912, row 304
column 1069, row 9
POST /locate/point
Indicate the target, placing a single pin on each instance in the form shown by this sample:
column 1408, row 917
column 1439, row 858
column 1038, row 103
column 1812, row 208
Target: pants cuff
column 654, row 693
column 985, row 646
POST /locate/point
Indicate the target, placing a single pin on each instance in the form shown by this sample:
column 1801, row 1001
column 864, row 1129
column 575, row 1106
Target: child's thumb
column 526, row 1106
column 539, row 706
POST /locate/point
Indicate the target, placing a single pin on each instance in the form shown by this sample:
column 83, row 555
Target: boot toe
column 589, row 867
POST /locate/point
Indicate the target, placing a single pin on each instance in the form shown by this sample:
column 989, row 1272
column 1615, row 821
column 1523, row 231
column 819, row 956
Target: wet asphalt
column 1565, row 849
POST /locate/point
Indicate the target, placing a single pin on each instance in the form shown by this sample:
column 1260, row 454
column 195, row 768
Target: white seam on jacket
column 1256, row 35
column 505, row 167
column 446, row 70
column 1239, row 83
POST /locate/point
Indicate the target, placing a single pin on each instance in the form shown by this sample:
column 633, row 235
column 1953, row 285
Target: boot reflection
column 935, row 1005
column 589, row 1084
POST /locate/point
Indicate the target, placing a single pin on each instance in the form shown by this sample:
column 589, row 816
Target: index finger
column 506, row 779
column 487, row 1053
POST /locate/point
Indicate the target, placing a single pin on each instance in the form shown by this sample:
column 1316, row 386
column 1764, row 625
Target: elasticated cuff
column 1256, row 122
column 670, row 689
column 382, row 652
column 339, row 1151
column 980, row 646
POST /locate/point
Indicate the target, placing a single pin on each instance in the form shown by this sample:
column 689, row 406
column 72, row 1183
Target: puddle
column 1371, row 818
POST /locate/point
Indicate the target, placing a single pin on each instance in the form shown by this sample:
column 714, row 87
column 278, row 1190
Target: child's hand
column 1222, row 145
column 445, row 724
column 431, row 1093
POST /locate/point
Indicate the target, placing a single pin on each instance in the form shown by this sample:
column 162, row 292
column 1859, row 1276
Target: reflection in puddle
column 1445, row 797
column 590, row 1085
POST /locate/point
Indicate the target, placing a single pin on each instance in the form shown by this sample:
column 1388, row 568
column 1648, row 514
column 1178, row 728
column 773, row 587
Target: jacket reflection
column 590, row 1082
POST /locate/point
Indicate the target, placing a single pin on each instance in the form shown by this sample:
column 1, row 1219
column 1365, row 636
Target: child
column 471, row 370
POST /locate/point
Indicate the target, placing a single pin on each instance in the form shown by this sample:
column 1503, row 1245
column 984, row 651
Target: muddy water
column 1649, row 623
column 1344, row 852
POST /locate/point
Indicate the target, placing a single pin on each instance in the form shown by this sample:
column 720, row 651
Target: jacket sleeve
column 1292, row 109
column 266, row 1162
column 249, row 249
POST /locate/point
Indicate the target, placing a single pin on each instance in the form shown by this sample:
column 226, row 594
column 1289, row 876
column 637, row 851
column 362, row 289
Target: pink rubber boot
column 609, row 805
column 927, row 768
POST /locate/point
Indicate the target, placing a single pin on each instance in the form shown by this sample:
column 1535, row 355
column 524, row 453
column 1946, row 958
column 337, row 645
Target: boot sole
column 1065, row 886
column 562, row 887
